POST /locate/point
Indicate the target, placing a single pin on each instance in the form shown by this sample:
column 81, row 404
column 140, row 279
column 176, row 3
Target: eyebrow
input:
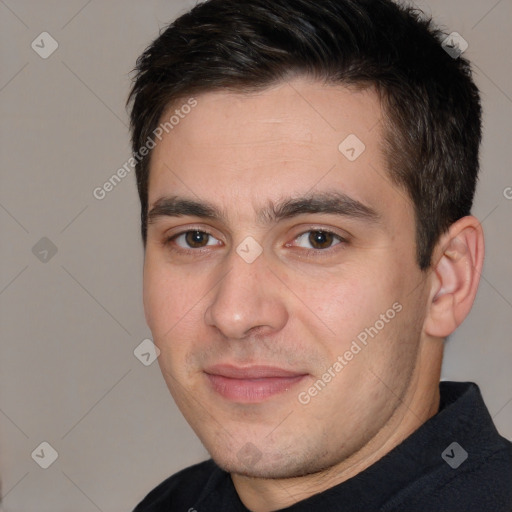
column 334, row 203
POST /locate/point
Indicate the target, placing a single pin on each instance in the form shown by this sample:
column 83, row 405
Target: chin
column 250, row 462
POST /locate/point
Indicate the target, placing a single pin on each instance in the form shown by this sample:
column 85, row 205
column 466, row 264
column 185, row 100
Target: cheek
column 349, row 299
column 155, row 296
column 363, row 305
column 172, row 312
column 168, row 296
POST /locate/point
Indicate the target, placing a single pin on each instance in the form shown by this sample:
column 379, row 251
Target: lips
column 251, row 384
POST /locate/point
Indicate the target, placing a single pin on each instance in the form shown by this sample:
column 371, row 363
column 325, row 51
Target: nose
column 247, row 300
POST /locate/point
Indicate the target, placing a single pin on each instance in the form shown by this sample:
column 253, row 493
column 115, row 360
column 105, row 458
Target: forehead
column 290, row 139
column 293, row 111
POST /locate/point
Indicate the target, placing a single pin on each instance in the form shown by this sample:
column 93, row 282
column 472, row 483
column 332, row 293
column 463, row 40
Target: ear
column 458, row 262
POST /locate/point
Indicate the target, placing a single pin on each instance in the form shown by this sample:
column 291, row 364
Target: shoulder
column 482, row 484
column 465, row 464
column 477, row 485
column 181, row 489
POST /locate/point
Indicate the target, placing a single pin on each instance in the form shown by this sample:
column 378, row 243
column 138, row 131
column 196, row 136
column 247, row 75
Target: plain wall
column 69, row 325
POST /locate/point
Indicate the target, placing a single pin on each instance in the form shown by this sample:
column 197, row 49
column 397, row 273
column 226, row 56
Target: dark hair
column 432, row 113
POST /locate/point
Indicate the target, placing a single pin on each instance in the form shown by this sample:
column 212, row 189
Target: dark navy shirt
column 456, row 461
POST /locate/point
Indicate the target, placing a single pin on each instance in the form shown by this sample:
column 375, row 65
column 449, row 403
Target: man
column 306, row 171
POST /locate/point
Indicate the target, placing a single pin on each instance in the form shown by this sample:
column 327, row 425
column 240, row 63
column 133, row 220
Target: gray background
column 70, row 324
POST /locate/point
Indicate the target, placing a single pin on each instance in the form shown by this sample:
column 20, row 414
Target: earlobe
column 458, row 264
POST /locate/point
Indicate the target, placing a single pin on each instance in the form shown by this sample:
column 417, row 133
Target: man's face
column 289, row 308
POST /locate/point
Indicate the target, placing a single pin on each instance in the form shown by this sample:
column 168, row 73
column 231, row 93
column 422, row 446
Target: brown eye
column 196, row 239
column 320, row 239
column 190, row 241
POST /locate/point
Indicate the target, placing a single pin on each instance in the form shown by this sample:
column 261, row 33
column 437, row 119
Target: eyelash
column 317, row 252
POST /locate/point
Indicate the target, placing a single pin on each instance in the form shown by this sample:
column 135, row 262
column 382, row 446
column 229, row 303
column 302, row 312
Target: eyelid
column 185, row 229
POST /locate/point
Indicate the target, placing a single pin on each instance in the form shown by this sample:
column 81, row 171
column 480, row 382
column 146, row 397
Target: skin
column 297, row 306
